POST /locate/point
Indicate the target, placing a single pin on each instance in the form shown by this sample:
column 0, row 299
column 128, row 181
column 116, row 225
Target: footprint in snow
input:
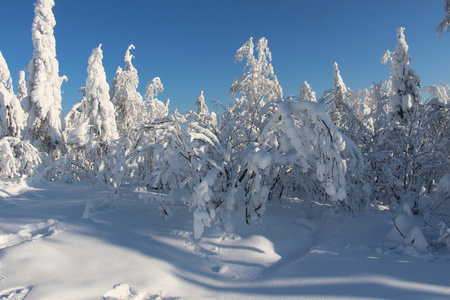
column 30, row 232
column 126, row 292
column 18, row 293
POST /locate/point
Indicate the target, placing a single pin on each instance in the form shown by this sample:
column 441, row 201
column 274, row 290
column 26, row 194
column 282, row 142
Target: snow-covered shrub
column 302, row 139
column 18, row 158
column 169, row 153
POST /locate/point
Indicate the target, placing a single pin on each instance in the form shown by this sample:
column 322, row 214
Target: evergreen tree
column 21, row 86
column 12, row 117
column 91, row 122
column 201, row 105
column 45, row 118
column 5, row 76
column 128, row 102
column 306, row 93
column 405, row 82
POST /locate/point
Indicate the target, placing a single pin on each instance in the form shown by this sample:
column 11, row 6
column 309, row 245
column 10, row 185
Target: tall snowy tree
column 156, row 108
column 306, row 93
column 45, row 118
column 5, row 75
column 91, row 123
column 336, row 101
column 405, row 82
column 445, row 24
column 128, row 102
column 410, row 152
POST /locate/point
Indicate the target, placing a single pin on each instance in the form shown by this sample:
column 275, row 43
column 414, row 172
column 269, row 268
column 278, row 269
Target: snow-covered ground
column 55, row 245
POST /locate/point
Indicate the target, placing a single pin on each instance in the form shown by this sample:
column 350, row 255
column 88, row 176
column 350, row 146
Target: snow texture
column 302, row 253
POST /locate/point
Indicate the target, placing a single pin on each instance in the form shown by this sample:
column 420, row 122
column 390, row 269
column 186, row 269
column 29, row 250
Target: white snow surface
column 58, row 242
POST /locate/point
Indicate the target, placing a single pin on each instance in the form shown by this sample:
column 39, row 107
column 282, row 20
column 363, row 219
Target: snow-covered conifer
column 201, row 105
column 45, row 118
column 128, row 102
column 344, row 106
column 5, row 75
column 12, row 117
column 156, row 108
column 306, row 93
column 338, row 103
column 92, row 122
column 21, row 86
column 202, row 115
column 405, row 82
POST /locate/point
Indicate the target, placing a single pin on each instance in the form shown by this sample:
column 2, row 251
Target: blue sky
column 190, row 45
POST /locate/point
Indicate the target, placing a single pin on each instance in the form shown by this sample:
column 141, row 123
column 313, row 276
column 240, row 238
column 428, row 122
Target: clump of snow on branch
column 156, row 108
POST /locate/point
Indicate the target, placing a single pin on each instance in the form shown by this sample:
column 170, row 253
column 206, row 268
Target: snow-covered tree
column 21, row 86
column 156, row 108
column 18, row 158
column 445, row 24
column 12, row 117
column 201, row 105
column 45, row 118
column 5, row 75
column 91, row 123
column 336, row 100
column 410, row 151
column 344, row 106
column 128, row 102
column 405, row 82
column 256, row 94
column 306, row 93
column 259, row 83
column 202, row 115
